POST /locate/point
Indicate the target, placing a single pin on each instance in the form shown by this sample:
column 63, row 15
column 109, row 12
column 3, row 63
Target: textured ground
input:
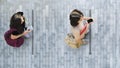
column 46, row 47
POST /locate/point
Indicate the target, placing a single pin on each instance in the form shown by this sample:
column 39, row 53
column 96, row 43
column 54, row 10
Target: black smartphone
column 90, row 20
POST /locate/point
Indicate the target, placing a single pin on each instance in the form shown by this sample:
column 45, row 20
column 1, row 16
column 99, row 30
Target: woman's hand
column 26, row 32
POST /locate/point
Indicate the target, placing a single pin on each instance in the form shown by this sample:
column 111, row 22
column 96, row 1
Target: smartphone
column 30, row 28
column 90, row 20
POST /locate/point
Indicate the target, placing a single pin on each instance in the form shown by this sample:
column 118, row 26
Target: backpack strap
column 83, row 30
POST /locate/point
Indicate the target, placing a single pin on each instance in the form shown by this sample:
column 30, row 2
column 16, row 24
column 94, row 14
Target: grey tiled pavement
column 47, row 49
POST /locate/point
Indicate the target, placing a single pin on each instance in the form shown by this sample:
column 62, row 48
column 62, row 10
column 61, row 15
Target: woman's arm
column 87, row 28
column 86, row 18
column 16, row 36
column 20, row 35
column 84, row 30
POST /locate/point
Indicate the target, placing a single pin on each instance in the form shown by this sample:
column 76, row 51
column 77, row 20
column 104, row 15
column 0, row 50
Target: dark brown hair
column 15, row 22
column 75, row 17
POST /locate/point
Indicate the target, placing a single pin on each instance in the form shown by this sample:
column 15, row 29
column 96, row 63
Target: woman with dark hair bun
column 78, row 28
column 14, row 36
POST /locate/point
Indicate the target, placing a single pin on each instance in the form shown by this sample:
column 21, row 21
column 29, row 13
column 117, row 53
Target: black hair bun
column 21, row 13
